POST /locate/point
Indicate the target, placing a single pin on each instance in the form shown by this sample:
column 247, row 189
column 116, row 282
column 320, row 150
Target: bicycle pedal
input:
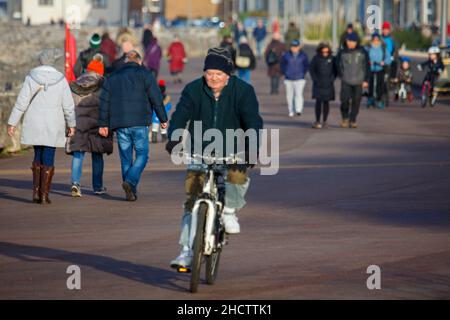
column 183, row 270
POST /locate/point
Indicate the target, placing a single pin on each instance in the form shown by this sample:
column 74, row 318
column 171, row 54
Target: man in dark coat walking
column 354, row 70
column 128, row 99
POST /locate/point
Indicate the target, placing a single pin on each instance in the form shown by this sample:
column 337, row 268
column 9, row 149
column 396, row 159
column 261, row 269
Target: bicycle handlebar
column 233, row 159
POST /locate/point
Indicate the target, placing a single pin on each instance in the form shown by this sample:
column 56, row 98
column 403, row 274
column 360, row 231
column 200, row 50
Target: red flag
column 71, row 54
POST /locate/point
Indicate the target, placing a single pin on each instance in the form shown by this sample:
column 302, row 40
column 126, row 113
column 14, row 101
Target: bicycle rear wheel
column 433, row 100
column 198, row 247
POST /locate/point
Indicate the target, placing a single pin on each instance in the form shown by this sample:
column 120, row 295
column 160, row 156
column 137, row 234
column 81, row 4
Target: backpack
column 272, row 58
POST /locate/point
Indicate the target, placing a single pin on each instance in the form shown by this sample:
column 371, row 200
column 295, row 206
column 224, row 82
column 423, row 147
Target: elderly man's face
column 216, row 79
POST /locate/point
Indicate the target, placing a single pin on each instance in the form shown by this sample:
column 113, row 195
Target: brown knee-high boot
column 46, row 183
column 36, row 168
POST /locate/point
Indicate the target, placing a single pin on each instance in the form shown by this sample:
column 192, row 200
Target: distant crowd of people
column 369, row 70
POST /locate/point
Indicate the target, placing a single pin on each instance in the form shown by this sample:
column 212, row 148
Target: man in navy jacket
column 294, row 66
column 127, row 102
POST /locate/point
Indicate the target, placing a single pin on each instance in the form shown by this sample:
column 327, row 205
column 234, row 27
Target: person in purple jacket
column 152, row 57
column 294, row 66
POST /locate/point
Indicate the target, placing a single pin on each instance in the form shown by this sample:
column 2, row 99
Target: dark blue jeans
column 44, row 155
column 133, row 140
column 97, row 169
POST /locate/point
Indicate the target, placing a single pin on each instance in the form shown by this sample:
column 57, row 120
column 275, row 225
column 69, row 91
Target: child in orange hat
column 96, row 65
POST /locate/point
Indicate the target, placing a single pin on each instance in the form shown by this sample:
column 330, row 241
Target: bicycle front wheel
column 212, row 266
column 198, row 247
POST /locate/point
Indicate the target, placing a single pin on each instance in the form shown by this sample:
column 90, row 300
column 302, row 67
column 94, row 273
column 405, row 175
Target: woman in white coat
column 46, row 103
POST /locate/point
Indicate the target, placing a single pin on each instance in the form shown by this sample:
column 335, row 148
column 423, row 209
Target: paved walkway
column 343, row 200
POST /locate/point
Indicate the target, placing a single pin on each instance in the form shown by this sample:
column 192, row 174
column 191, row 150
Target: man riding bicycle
column 219, row 101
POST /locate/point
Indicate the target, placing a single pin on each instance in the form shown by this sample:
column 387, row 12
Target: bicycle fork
column 213, row 206
column 209, row 235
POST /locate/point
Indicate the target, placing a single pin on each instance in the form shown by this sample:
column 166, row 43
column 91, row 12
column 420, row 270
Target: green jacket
column 236, row 108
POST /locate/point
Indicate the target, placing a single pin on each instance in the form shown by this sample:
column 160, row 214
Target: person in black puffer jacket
column 323, row 71
column 86, row 93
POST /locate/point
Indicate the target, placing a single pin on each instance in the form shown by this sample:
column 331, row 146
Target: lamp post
column 335, row 22
column 444, row 12
column 124, row 11
column 302, row 20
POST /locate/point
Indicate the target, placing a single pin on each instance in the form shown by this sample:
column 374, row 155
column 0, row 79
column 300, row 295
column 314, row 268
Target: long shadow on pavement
column 6, row 196
column 140, row 273
column 57, row 188
column 28, row 185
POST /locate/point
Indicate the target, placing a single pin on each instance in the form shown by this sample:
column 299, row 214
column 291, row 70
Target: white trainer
column 183, row 260
column 231, row 223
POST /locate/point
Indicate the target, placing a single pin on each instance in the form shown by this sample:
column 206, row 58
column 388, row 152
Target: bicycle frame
column 426, row 88
column 402, row 93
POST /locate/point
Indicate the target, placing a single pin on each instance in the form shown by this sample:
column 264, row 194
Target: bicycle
column 207, row 231
column 428, row 94
column 402, row 93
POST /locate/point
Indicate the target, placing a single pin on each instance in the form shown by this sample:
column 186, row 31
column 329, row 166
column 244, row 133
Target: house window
column 45, row 3
column 99, row 4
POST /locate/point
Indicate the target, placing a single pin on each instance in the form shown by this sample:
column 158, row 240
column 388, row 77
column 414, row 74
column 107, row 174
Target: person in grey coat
column 354, row 71
column 45, row 101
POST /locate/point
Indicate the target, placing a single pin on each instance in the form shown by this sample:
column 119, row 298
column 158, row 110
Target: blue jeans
column 244, row 74
column 44, row 155
column 259, row 48
column 97, row 169
column 130, row 140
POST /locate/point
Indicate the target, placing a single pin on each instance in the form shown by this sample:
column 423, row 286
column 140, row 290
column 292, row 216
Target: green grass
column 324, row 31
column 412, row 39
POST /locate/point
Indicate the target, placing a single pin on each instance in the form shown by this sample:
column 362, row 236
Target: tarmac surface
column 343, row 200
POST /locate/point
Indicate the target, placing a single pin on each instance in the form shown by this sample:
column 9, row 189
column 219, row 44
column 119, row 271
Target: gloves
column 250, row 165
